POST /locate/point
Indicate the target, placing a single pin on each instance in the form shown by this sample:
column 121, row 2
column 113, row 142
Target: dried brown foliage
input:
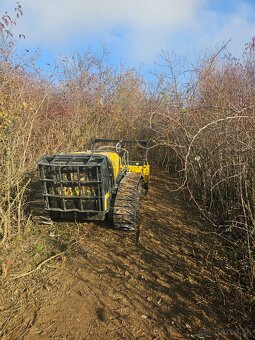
column 206, row 135
column 38, row 117
column 203, row 130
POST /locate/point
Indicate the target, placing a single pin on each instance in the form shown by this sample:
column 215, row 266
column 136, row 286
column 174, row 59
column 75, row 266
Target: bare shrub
column 211, row 138
column 37, row 117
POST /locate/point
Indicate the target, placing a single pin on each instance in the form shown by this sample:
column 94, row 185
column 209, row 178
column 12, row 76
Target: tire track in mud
column 173, row 284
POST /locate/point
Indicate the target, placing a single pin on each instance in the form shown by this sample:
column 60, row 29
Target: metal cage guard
column 72, row 183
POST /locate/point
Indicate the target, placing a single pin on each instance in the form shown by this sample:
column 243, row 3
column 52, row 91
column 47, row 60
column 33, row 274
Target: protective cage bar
column 72, row 183
column 143, row 143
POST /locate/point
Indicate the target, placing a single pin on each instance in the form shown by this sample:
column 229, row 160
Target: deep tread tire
column 128, row 202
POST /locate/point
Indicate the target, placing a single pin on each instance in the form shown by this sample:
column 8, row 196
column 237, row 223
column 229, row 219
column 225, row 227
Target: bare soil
column 175, row 282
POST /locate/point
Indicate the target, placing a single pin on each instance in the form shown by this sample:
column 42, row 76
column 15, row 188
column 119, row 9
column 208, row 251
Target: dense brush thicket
column 207, row 136
column 202, row 130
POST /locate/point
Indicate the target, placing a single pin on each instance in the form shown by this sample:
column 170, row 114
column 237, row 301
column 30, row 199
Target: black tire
column 127, row 202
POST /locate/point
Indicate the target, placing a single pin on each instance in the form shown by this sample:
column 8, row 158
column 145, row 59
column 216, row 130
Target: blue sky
column 134, row 31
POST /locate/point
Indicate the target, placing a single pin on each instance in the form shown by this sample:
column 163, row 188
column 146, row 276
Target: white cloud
column 217, row 28
column 97, row 14
column 148, row 24
column 55, row 21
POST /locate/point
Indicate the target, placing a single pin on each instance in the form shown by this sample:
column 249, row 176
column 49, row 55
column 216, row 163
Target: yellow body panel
column 115, row 159
column 144, row 170
column 106, row 201
column 112, row 156
column 118, row 167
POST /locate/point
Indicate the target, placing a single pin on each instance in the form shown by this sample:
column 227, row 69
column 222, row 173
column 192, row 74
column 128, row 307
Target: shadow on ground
column 174, row 284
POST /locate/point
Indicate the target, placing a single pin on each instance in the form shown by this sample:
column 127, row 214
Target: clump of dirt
column 88, row 281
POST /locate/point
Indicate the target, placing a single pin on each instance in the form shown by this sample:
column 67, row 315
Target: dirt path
column 169, row 286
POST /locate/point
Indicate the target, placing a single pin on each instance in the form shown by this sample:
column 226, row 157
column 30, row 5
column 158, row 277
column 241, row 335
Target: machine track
column 128, row 201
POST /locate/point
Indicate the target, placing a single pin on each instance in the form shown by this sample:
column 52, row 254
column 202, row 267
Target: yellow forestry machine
column 101, row 183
